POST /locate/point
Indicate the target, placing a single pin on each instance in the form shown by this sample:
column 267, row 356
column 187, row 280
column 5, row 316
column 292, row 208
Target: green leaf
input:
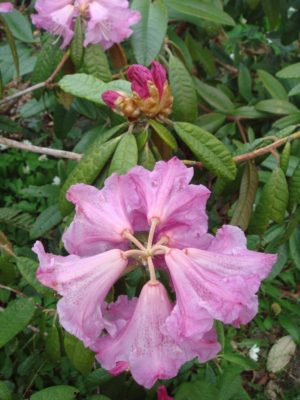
column 272, row 203
column 17, row 218
column 90, row 88
column 294, row 188
column 183, row 91
column 245, row 82
column 214, row 97
column 274, row 106
column 149, row 33
column 12, row 44
column 19, row 26
column 95, row 63
column 164, row 134
column 52, row 348
column 27, row 268
column 294, row 247
column 211, row 122
column 76, row 48
column 81, row 357
column 90, row 166
column 243, row 210
column 4, row 391
column 15, row 318
column 64, row 120
column 202, row 10
column 208, row 149
column 98, row 377
column 295, row 91
column 47, row 220
column 272, row 85
column 289, row 72
column 60, row 392
column 125, row 156
column 272, row 10
column 240, row 360
column 285, row 157
column 146, row 157
column 48, row 58
column 231, row 386
column 196, row 390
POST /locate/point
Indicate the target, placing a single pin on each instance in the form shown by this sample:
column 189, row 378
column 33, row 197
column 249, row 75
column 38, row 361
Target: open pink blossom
column 141, row 346
column 220, row 282
column 101, row 19
column 6, row 7
column 84, row 283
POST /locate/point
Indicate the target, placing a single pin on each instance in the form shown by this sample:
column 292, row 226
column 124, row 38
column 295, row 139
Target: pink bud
column 140, row 76
column 110, row 97
column 159, row 76
column 6, row 7
column 162, row 393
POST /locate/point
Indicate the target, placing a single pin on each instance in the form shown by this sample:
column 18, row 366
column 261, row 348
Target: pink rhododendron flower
column 101, row 19
column 162, row 393
column 213, row 277
column 151, row 93
column 6, row 7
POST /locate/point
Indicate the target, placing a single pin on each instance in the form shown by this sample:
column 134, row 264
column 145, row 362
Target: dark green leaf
column 164, row 134
column 274, row 106
column 60, row 392
column 272, row 85
column 214, row 97
column 294, row 188
column 95, row 63
column 52, row 348
column 125, row 156
column 28, row 268
column 76, row 48
column 19, row 26
column 81, row 357
column 245, row 82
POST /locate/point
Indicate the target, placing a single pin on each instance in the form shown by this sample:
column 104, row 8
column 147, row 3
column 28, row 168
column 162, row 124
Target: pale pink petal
column 141, row 346
column 204, row 349
column 101, row 217
column 165, row 193
column 221, row 285
column 6, row 7
column 84, row 283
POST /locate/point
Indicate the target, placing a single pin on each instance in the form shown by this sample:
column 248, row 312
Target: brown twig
column 40, row 85
column 242, row 130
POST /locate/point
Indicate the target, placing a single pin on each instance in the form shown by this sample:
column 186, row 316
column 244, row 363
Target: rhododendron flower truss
column 6, row 7
column 213, row 278
column 101, row 19
column 151, row 96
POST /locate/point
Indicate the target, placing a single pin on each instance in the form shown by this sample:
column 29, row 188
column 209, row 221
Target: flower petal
column 139, row 77
column 6, row 7
column 141, row 346
column 84, row 283
column 159, row 76
column 101, row 217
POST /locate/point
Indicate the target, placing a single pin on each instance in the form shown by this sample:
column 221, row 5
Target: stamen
column 159, row 249
column 151, row 270
column 134, row 240
column 154, row 223
column 162, row 240
column 133, row 253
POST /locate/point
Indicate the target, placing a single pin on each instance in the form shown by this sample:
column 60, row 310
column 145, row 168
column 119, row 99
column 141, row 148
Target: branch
column 41, row 150
column 253, row 154
column 38, row 85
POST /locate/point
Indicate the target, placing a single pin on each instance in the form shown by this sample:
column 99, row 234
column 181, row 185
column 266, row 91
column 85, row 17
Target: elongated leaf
column 19, row 26
column 52, row 348
column 208, row 149
column 182, row 87
column 274, row 106
column 211, row 122
column 295, row 91
column 214, row 97
column 294, row 242
column 146, row 157
column 76, row 48
column 243, row 210
column 60, row 392
column 196, row 390
column 272, row 204
column 4, row 391
column 148, row 34
column 47, row 220
column 28, row 268
column 15, row 318
column 164, row 134
column 245, row 82
column 12, row 44
column 90, row 88
column 294, row 188
column 95, row 63
column 125, row 156
column 272, row 85
column 272, row 10
column 89, row 166
column 292, row 71
column 285, row 157
column 81, row 357
column 202, row 10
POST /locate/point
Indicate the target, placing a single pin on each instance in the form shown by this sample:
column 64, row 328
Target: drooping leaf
column 208, row 149
column 47, row 220
column 243, row 210
column 294, row 242
column 125, row 156
column 272, row 203
column 95, row 63
column 15, row 318
column 149, row 33
column 28, row 268
column 59, row 392
column 245, row 82
column 289, row 72
column 202, row 10
column 52, row 348
column 12, row 44
column 19, row 26
column 17, row 218
column 272, row 85
column 214, row 97
column 76, row 48
column 274, row 106
column 164, row 134
column 183, row 91
column 285, row 157
column 81, row 357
